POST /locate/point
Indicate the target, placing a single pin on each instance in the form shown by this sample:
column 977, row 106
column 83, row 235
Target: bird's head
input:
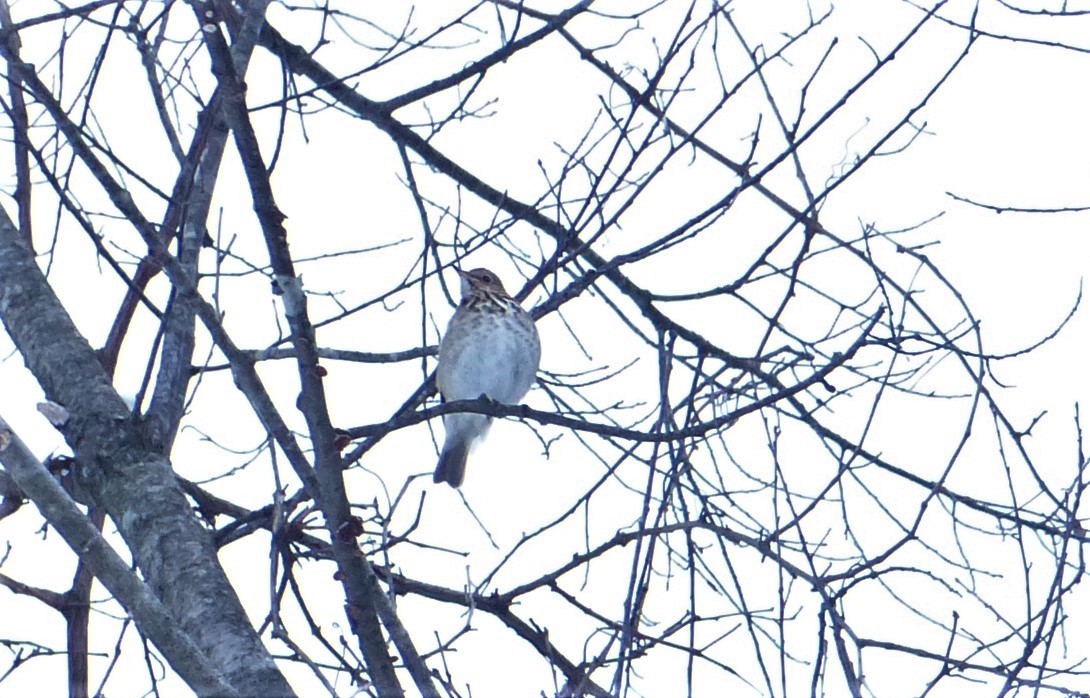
column 481, row 281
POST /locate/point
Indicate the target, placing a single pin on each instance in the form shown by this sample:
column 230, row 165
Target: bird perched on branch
column 491, row 348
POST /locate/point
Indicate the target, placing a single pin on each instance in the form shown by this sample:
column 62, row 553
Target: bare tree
column 768, row 453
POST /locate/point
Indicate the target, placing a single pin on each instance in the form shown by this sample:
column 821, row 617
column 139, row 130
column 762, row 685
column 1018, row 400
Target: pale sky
column 1007, row 129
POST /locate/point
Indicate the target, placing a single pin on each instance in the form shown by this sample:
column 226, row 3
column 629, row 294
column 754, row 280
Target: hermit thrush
column 491, row 348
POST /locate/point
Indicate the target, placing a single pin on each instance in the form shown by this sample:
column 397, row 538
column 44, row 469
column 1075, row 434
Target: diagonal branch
column 365, row 600
column 151, row 617
column 131, row 480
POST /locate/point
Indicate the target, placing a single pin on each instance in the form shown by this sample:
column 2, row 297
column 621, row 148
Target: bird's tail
column 451, row 468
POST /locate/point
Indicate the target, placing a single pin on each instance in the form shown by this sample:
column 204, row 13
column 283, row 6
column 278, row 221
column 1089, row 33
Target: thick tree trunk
column 126, row 476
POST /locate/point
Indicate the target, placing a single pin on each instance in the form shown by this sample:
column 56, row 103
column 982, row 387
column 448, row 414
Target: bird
column 491, row 348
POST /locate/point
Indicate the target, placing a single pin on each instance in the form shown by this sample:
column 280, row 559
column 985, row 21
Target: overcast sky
column 1007, row 129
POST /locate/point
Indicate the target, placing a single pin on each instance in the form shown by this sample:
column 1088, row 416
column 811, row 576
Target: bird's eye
column 487, row 278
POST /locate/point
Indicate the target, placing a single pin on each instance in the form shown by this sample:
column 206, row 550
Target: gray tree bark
column 122, row 472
